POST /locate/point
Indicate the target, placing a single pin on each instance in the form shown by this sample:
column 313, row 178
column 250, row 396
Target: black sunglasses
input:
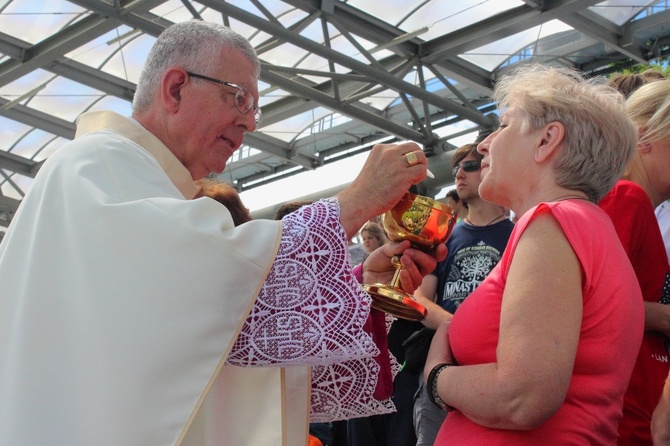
column 468, row 166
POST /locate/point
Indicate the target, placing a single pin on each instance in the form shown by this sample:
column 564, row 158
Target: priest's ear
column 172, row 84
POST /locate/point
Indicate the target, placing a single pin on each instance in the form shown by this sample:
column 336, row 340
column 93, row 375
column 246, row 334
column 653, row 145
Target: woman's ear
column 643, row 145
column 550, row 138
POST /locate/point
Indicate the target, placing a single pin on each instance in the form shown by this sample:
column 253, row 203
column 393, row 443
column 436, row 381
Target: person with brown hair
column 289, row 207
column 627, row 83
column 227, row 195
column 458, row 206
column 373, row 236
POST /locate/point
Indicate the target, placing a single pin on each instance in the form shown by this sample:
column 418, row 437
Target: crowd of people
column 142, row 303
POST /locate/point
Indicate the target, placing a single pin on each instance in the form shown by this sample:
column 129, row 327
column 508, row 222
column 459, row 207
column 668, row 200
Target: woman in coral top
column 542, row 351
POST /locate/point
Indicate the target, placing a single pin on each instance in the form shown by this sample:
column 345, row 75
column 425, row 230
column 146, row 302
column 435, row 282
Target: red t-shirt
column 633, row 216
column 610, row 336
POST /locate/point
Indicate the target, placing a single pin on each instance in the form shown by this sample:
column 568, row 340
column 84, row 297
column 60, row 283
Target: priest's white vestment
column 131, row 314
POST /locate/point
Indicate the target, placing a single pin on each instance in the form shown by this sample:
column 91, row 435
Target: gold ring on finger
column 412, row 159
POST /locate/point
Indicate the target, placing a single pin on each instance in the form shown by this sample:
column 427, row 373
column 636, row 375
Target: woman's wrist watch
column 432, row 386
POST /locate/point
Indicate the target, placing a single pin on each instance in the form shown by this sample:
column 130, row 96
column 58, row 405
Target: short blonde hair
column 649, row 109
column 599, row 138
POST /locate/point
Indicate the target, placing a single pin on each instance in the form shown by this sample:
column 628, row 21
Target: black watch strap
column 432, row 387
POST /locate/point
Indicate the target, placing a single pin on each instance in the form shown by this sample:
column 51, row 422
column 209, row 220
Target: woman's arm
column 425, row 295
column 657, row 317
column 660, row 421
column 539, row 332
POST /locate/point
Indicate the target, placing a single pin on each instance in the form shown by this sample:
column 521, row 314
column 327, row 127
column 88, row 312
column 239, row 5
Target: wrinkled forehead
column 235, row 66
column 516, row 113
column 510, row 112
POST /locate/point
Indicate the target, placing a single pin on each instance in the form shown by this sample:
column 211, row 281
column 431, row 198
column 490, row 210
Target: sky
column 299, row 185
column 323, row 178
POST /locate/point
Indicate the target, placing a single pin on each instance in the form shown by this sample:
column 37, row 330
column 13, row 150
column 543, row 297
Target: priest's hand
column 378, row 267
column 389, row 171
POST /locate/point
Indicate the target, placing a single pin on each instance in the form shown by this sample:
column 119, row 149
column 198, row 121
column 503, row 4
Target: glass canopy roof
column 337, row 76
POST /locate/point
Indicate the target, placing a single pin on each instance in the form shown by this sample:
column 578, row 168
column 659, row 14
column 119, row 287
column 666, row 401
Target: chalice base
column 395, row 301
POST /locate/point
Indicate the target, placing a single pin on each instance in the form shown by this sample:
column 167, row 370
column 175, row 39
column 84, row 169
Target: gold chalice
column 426, row 223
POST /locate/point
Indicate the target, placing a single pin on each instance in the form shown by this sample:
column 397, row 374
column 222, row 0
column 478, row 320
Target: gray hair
column 599, row 137
column 194, row 45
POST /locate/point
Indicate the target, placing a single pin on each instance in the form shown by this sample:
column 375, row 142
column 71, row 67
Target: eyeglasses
column 468, row 166
column 244, row 101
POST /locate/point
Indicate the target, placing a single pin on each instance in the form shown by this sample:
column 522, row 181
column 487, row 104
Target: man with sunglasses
column 473, row 249
column 134, row 314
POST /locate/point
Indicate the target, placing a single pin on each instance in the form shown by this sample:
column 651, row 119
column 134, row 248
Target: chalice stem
column 395, row 282
column 425, row 223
